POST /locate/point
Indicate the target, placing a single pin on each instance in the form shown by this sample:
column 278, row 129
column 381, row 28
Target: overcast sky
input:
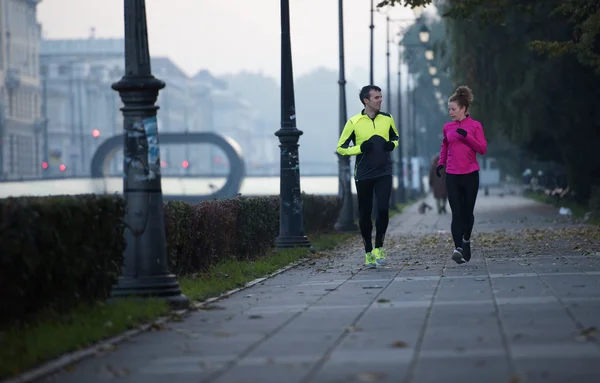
column 228, row 36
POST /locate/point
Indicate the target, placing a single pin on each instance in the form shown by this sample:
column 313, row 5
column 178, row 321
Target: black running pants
column 381, row 187
column 462, row 194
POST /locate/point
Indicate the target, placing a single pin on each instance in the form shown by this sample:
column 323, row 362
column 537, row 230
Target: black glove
column 462, row 132
column 366, row 146
column 388, row 146
column 438, row 169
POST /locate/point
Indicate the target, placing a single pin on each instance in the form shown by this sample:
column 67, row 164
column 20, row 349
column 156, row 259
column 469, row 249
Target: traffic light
column 62, row 167
column 95, row 133
column 44, row 165
column 185, row 164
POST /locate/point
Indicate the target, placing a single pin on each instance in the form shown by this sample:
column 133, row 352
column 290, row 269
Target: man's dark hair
column 364, row 92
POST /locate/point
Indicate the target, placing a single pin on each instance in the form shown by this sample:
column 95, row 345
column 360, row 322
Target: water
column 251, row 186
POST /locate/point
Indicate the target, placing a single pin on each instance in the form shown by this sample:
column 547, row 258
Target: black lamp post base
column 163, row 287
column 291, row 242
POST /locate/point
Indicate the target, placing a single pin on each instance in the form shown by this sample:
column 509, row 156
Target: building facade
column 21, row 123
column 83, row 110
column 80, row 106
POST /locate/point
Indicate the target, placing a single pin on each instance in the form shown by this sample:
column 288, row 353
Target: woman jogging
column 463, row 139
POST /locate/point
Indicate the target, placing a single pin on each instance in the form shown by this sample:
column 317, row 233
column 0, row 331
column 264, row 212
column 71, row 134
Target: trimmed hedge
column 319, row 213
column 243, row 227
column 58, row 252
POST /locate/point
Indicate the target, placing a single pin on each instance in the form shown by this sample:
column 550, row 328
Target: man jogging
column 374, row 135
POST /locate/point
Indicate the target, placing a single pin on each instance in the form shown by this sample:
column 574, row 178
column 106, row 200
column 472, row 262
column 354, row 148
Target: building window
column 21, row 161
column 25, row 156
column 64, row 70
column 11, row 154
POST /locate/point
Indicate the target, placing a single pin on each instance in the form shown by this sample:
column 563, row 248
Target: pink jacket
column 458, row 153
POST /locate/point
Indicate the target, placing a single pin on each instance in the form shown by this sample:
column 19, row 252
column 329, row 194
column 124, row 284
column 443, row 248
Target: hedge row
column 57, row 252
column 200, row 235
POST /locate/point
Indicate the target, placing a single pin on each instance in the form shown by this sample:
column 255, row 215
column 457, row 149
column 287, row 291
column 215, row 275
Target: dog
column 423, row 207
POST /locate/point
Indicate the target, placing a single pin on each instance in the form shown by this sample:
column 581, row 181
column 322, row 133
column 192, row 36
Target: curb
column 65, row 360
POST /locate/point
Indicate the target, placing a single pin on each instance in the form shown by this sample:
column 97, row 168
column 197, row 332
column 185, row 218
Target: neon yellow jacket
column 361, row 128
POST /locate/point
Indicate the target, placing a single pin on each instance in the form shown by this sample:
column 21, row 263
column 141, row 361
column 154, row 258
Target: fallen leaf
column 254, row 316
column 399, row 344
column 589, row 331
column 383, row 300
column 222, row 334
column 117, row 372
column 157, row 326
column 588, row 334
column 108, row 347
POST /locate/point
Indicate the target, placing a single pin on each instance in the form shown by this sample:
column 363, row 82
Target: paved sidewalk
column 507, row 316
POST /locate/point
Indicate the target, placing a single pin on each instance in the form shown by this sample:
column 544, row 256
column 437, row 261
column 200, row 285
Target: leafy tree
column 582, row 15
column 545, row 104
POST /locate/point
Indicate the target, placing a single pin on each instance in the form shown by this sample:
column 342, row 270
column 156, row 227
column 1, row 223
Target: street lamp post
column 345, row 220
column 400, row 195
column 291, row 230
column 45, row 147
column 401, row 191
column 372, row 27
column 409, row 123
column 389, row 100
column 424, row 35
column 145, row 271
column 415, row 146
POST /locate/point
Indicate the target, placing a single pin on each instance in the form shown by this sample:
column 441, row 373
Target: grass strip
column 22, row 348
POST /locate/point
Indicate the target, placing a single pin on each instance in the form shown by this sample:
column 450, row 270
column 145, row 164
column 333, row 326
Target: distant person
column 527, row 174
column 373, row 135
column 463, row 139
column 438, row 186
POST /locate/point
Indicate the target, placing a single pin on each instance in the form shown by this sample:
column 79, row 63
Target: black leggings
column 462, row 194
column 382, row 187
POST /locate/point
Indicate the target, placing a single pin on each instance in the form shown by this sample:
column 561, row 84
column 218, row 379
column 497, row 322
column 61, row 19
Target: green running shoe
column 379, row 254
column 370, row 261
